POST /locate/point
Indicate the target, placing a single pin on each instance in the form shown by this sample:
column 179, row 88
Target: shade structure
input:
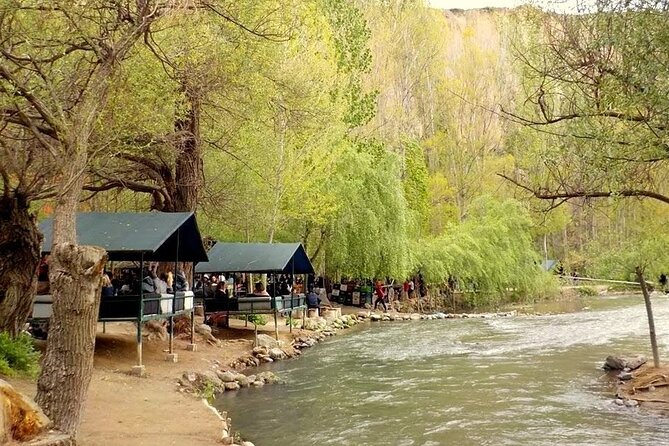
column 548, row 265
column 286, row 258
column 151, row 236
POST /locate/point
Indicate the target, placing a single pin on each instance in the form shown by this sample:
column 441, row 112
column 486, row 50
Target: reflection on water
column 508, row 381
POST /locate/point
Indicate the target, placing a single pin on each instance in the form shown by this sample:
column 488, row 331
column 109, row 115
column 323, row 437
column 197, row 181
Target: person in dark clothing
column 107, row 288
column 313, row 301
column 380, row 296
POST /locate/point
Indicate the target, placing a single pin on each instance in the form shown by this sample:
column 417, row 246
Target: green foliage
column 257, row 319
column 416, row 185
column 17, row 356
column 490, row 253
column 367, row 235
column 586, row 291
column 208, row 391
column 644, row 246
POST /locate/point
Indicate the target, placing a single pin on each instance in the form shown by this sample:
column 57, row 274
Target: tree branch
column 567, row 195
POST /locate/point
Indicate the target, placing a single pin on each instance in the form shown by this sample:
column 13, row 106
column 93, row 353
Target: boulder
column 20, row 418
column 231, row 386
column 226, row 377
column 203, row 329
column 625, row 376
column 259, row 350
column 375, row 317
column 415, row 316
column 243, row 381
column 635, row 363
column 276, row 354
column 618, row 363
column 267, row 341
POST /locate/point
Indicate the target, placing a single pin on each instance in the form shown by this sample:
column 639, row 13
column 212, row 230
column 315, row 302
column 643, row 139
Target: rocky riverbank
column 638, row 384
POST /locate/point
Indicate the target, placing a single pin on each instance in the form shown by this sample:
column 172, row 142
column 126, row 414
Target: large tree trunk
column 75, row 273
column 188, row 169
column 68, row 362
column 19, row 257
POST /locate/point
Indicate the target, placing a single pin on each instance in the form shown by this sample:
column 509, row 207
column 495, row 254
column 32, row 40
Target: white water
column 509, row 381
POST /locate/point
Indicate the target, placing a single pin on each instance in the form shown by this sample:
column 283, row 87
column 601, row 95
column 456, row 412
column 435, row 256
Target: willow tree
column 58, row 62
column 490, row 253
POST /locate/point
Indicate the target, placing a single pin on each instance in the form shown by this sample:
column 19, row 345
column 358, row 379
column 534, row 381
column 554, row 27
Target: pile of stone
column 385, row 317
column 267, row 349
column 212, row 383
column 329, row 327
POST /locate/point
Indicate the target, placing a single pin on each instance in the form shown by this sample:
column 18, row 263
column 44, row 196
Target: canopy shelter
column 151, row 236
column 548, row 265
column 260, row 258
column 279, row 258
column 138, row 237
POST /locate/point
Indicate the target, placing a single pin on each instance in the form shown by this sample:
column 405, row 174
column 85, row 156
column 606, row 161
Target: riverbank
column 123, row 410
column 156, row 410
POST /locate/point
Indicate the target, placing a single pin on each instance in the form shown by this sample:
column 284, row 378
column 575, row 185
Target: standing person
column 405, row 289
column 412, row 287
column 380, row 295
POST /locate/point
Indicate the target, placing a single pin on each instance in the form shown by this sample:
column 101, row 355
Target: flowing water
column 507, row 381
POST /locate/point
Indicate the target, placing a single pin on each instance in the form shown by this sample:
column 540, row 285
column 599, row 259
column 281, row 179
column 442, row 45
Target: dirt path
column 124, row 410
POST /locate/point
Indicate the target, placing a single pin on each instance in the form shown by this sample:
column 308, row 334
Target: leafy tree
column 491, row 253
column 57, row 64
column 598, row 91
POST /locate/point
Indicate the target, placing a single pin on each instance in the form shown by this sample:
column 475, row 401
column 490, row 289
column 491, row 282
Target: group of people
column 129, row 282
column 386, row 293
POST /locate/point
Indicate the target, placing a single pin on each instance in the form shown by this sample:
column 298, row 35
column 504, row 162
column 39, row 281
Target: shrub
column 587, row 291
column 257, row 319
column 17, row 356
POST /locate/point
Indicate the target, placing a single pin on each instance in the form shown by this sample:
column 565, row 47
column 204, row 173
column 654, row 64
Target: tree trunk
column 19, row 257
column 75, row 274
column 188, row 169
column 651, row 319
column 67, row 366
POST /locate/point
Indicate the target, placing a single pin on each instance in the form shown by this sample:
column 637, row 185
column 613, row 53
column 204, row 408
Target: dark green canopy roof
column 158, row 236
column 284, row 258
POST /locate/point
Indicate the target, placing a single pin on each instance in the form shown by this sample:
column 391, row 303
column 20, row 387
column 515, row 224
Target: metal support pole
column 171, row 334
column 140, row 316
column 192, row 326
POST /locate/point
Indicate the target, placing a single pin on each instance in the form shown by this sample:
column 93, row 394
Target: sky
column 556, row 5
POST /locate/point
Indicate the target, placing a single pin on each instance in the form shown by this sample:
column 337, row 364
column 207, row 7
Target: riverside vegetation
column 390, row 138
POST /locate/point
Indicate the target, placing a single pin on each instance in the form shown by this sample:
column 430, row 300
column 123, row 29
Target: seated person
column 313, row 300
column 107, row 288
column 180, row 282
column 259, row 290
column 221, row 291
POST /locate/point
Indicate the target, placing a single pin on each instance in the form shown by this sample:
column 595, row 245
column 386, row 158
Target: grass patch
column 587, row 291
column 18, row 356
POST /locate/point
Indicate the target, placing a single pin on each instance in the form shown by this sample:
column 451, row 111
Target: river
column 527, row 380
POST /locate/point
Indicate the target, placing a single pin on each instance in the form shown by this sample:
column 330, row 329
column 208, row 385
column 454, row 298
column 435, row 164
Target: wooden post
column 651, row 320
